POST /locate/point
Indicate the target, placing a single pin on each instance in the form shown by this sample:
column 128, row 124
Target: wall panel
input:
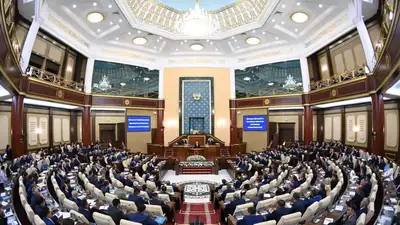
column 37, row 129
column 391, row 129
column 137, row 141
column 256, row 140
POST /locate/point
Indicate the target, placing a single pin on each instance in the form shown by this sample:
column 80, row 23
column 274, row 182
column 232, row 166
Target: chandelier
column 197, row 23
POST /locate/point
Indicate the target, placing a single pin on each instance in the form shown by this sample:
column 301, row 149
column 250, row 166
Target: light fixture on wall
column 95, row 17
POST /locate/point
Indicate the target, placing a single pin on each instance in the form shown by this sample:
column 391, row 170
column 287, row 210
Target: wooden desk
column 209, row 151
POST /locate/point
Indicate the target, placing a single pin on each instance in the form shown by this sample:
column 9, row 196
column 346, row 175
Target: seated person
column 251, row 218
column 196, row 145
column 367, row 185
column 48, row 219
column 140, row 217
column 74, row 198
column 230, row 208
column 350, row 217
column 315, row 197
column 358, row 197
column 156, row 201
column 363, row 207
column 136, row 198
column 298, row 205
column 229, row 189
column 41, row 208
column 219, row 187
column 114, row 212
column 279, row 212
column 85, row 210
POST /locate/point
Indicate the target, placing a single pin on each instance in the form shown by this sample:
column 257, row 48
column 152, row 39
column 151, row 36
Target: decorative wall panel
column 391, row 128
column 57, row 130
column 43, row 135
column 65, row 130
column 5, row 131
column 350, row 134
column 337, row 128
column 196, row 110
column 79, row 127
column 362, row 129
column 328, row 128
column 32, row 134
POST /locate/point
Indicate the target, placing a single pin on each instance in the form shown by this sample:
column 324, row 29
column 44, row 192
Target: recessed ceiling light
column 196, row 47
column 270, row 84
column 110, row 6
column 120, row 20
column 94, row 3
column 158, row 40
column 95, row 17
column 155, row 47
column 161, row 38
column 276, row 38
column 295, row 30
column 283, row 22
column 273, row 20
column 263, row 32
column 122, row 84
column 184, row 40
column 254, row 31
column 320, row 5
column 253, row 40
column 111, row 23
column 129, row 33
column 98, row 30
column 74, row 6
column 146, row 78
column 117, row 38
column 235, row 40
column 216, row 49
column 246, row 78
column 139, row 40
column 238, row 46
column 298, row 3
column 139, row 31
column 211, row 43
column 233, row 37
column 181, row 43
column 283, row 6
column 208, row 40
column 176, row 49
column 299, row 17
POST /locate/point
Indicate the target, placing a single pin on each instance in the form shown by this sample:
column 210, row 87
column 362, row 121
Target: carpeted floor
column 191, row 211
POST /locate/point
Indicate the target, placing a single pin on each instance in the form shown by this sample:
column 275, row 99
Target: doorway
column 107, row 133
column 286, row 133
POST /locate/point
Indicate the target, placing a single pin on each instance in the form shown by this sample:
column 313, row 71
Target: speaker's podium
column 184, row 145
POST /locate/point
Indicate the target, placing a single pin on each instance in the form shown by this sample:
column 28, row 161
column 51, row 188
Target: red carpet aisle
column 190, row 211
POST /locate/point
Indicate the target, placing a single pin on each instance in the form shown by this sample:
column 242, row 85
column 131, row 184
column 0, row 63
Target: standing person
column 3, row 179
column 8, row 153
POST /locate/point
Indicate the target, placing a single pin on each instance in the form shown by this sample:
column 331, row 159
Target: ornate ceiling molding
column 248, row 14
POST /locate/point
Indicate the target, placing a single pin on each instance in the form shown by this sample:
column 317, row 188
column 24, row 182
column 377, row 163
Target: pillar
column 378, row 118
column 355, row 12
column 89, row 75
column 305, row 74
column 232, row 83
column 233, row 127
column 28, row 45
column 160, row 127
column 161, row 84
column 17, row 119
column 86, row 126
column 308, row 124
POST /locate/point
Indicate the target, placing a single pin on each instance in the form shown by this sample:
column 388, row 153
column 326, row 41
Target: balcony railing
column 54, row 79
column 337, row 79
column 269, row 92
column 132, row 92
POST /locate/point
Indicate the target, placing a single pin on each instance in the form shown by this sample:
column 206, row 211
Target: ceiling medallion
column 127, row 102
column 197, row 23
column 60, row 94
column 266, row 101
column 139, row 40
column 196, row 47
column 334, row 93
column 299, row 17
column 95, row 17
column 253, row 40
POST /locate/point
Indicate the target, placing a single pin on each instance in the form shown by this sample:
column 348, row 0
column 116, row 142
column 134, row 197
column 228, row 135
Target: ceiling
column 272, row 25
column 183, row 5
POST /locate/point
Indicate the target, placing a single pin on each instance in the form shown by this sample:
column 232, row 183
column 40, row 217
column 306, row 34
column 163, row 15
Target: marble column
column 308, row 124
column 86, row 139
column 378, row 123
column 17, row 121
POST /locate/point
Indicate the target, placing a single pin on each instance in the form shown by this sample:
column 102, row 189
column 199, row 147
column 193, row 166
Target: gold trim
column 266, row 107
column 115, row 96
column 339, row 84
column 268, row 96
column 122, row 107
column 54, row 85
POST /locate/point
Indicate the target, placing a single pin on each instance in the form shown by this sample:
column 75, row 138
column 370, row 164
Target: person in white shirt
column 389, row 172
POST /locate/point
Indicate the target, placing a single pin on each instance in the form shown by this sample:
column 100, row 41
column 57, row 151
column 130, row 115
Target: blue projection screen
column 138, row 123
column 255, row 123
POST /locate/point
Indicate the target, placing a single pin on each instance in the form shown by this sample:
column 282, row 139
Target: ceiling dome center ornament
column 197, row 23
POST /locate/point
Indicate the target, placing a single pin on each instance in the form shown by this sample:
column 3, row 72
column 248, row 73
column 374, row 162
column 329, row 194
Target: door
column 107, row 133
column 286, row 133
column 121, row 134
column 272, row 134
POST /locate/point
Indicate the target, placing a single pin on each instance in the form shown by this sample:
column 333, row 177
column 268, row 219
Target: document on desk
column 3, row 203
column 339, row 208
column 104, row 207
column 328, row 221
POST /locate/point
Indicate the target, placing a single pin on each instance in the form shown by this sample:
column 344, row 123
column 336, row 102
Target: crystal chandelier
column 197, row 23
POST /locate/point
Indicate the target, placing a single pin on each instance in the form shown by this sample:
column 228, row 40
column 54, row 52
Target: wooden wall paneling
column 320, row 126
column 343, row 124
column 25, row 129
column 74, row 126
column 308, row 124
column 369, row 136
column 233, row 127
column 17, row 122
column 93, row 128
column 300, row 127
column 378, row 117
column 160, row 127
column 51, row 139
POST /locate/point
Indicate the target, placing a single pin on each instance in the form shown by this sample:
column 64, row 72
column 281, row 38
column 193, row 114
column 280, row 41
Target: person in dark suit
column 156, row 201
column 136, row 198
column 230, row 208
column 197, row 145
column 41, row 208
column 367, row 185
column 350, row 217
column 140, row 217
column 298, row 205
column 114, row 212
column 229, row 189
column 85, row 210
column 279, row 212
column 358, row 197
column 251, row 218
column 363, row 207
column 48, row 219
